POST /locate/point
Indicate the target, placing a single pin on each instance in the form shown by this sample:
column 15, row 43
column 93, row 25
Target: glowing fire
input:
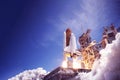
column 64, row 64
column 76, row 64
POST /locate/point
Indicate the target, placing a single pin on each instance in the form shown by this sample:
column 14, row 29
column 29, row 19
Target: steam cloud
column 108, row 66
column 35, row 74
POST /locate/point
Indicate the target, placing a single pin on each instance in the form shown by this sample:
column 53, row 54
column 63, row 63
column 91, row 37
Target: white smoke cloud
column 108, row 66
column 35, row 74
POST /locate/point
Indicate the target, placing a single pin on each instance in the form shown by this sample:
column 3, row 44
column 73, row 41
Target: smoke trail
column 108, row 66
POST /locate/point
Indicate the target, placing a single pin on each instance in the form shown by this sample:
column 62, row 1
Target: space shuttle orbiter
column 69, row 42
column 70, row 49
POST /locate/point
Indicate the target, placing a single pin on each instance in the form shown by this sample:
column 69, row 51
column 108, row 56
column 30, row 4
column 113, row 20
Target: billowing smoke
column 108, row 66
column 35, row 74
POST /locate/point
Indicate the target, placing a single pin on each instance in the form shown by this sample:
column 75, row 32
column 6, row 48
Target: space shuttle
column 69, row 42
column 70, row 49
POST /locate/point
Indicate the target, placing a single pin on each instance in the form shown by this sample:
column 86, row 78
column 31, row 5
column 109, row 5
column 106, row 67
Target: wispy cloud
column 87, row 14
column 82, row 14
column 90, row 14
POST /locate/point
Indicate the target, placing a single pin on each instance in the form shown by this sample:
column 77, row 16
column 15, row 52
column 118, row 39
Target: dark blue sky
column 31, row 31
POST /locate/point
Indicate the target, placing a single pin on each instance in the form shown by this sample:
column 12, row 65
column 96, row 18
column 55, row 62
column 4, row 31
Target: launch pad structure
column 64, row 73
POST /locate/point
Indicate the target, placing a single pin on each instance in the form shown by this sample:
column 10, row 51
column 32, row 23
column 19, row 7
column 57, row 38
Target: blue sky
column 31, row 31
